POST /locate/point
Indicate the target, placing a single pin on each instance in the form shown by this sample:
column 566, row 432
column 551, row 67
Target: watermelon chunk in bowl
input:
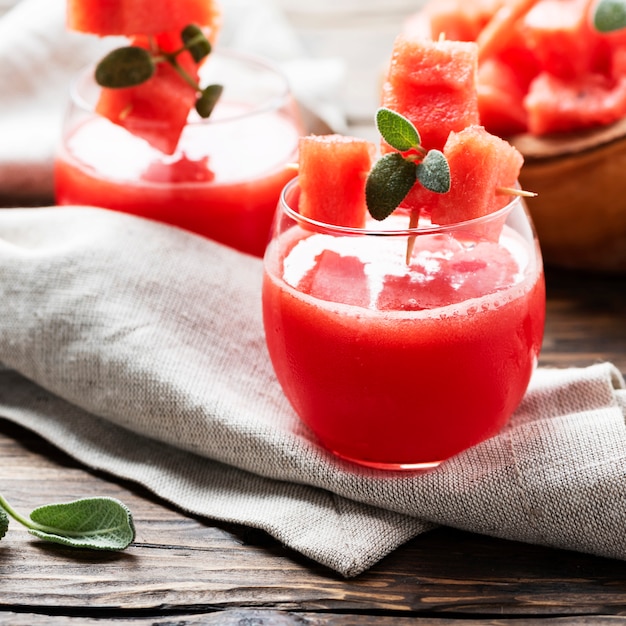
column 570, row 128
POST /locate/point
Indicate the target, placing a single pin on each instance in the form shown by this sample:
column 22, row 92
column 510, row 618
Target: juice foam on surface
column 445, row 273
column 117, row 155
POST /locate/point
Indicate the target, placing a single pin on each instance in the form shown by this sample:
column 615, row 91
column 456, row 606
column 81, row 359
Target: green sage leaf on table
column 4, row 523
column 96, row 523
column 609, row 15
column 125, row 67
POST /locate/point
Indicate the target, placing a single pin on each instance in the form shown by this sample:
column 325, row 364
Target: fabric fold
column 139, row 349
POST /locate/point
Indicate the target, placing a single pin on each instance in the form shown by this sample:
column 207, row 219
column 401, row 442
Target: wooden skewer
column 410, row 244
column 511, row 191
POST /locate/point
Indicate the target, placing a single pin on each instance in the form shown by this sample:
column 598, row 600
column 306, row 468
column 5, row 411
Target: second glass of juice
column 223, row 180
column 399, row 361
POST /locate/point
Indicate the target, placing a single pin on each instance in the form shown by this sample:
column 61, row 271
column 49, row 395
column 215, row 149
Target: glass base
column 390, row 467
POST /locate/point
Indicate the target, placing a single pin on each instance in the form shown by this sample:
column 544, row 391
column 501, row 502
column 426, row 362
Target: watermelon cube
column 156, row 110
column 338, row 278
column 459, row 20
column 141, row 17
column 566, row 45
column 433, row 84
column 480, row 164
column 556, row 105
column 332, row 173
column 501, row 98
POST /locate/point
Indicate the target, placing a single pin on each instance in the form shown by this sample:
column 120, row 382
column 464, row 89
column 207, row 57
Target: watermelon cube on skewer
column 156, row 110
column 332, row 175
column 433, row 84
column 481, row 165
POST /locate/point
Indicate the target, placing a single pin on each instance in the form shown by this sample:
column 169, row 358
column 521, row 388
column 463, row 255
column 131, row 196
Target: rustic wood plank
column 255, row 617
column 585, row 319
column 182, row 565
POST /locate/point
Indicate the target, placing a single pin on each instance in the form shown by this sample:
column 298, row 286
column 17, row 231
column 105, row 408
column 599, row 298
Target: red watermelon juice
column 222, row 181
column 395, row 365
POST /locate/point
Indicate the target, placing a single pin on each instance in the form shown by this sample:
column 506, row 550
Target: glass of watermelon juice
column 398, row 365
column 225, row 176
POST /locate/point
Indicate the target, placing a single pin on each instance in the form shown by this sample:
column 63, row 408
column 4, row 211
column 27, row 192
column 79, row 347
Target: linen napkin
column 138, row 349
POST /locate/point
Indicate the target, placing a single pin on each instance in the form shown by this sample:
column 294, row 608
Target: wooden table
column 185, row 571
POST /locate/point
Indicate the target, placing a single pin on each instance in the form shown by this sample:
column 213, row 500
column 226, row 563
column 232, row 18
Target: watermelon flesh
column 554, row 105
column 156, row 110
column 501, row 98
column 332, row 173
column 140, row 17
column 433, row 84
column 481, row 164
column 570, row 76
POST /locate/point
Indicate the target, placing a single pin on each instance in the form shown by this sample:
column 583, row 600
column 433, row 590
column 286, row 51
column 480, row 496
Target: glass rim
column 276, row 101
column 333, row 229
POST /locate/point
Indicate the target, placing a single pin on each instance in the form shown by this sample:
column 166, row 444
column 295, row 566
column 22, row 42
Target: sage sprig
column 130, row 66
column 395, row 173
column 609, row 15
column 95, row 523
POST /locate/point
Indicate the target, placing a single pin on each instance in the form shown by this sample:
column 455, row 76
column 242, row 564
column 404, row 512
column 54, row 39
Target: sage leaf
column 397, row 130
column 609, row 15
column 125, row 67
column 96, row 523
column 195, row 41
column 208, row 99
column 4, row 523
column 388, row 183
column 434, row 172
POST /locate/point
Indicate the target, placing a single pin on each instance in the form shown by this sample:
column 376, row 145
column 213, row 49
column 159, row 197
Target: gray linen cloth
column 139, row 349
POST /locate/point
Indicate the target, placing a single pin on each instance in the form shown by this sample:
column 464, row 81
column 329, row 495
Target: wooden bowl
column 580, row 208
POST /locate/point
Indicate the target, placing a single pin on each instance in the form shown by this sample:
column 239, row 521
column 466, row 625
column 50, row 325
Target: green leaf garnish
column 208, row 99
column 609, row 15
column 96, row 523
column 396, row 130
column 388, row 183
column 125, row 67
column 4, row 523
column 195, row 41
column 395, row 173
column 434, row 172
column 130, row 66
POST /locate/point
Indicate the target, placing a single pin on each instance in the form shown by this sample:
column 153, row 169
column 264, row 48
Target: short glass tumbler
column 400, row 364
column 226, row 174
